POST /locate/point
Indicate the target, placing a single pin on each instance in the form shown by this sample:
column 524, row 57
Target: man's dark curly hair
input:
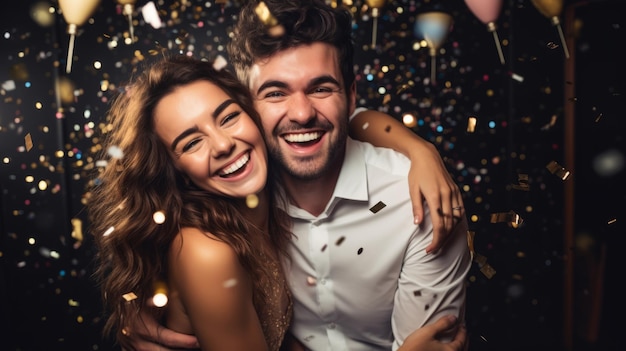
column 304, row 22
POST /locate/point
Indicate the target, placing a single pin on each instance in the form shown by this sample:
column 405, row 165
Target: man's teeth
column 302, row 138
column 236, row 165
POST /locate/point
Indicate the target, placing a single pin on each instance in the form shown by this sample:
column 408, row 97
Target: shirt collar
column 352, row 182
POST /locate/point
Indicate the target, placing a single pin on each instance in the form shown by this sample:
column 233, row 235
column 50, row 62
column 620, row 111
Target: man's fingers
column 445, row 323
column 174, row 340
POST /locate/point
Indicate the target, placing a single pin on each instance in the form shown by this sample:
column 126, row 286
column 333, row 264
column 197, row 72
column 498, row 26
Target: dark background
column 49, row 302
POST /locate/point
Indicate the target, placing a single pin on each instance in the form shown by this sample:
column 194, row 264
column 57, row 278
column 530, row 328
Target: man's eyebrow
column 271, row 84
column 324, row 79
column 194, row 129
column 314, row 82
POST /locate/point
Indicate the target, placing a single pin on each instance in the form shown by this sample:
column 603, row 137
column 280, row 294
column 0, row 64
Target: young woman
column 184, row 205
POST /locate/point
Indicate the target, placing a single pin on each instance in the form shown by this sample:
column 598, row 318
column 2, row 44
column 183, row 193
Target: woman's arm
column 215, row 294
column 210, row 296
column 428, row 178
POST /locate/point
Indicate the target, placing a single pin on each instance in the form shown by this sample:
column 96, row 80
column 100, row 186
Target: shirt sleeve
column 356, row 112
column 431, row 285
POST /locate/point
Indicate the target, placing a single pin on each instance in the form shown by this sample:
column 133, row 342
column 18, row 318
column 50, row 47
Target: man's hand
column 425, row 338
column 148, row 335
column 430, row 180
column 428, row 177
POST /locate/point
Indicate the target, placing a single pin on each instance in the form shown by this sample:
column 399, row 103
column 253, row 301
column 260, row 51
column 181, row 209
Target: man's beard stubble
column 308, row 168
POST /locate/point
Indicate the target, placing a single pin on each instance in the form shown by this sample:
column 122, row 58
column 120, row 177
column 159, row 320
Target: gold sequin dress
column 275, row 310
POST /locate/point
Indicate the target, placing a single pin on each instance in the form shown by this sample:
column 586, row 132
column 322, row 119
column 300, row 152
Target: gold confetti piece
column 485, row 268
column 488, row 271
column 379, row 206
column 558, row 170
column 598, row 118
column 522, row 180
column 365, row 125
column 612, row 221
column 28, row 141
column 151, row 15
column 126, row 331
column 8, row 85
column 220, row 62
column 386, row 99
column 470, row 240
column 480, row 259
column 404, row 87
column 417, row 293
column 230, row 283
column 115, row 152
column 550, row 124
column 158, row 217
column 359, row 251
column 273, row 27
column 517, row 77
column 511, row 218
column 471, row 124
column 324, row 247
column 340, row 240
column 77, row 229
column 310, row 281
column 19, row 72
column 129, row 296
column 252, row 201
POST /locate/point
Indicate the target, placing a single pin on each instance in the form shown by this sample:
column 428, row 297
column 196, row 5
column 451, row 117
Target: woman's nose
column 222, row 144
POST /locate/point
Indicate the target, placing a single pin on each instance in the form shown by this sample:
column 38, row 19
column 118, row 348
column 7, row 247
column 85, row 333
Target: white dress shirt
column 359, row 274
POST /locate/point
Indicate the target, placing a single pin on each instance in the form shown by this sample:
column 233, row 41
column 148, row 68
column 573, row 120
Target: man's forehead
column 304, row 63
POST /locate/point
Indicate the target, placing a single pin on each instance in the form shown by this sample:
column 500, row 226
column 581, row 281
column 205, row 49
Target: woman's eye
column 190, row 145
column 230, row 117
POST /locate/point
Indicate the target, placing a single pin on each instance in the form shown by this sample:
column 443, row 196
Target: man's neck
column 312, row 195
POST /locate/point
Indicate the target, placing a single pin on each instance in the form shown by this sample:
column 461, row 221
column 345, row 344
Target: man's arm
column 431, row 286
column 428, row 178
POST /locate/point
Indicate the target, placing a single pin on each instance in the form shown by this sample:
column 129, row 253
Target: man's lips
column 302, row 137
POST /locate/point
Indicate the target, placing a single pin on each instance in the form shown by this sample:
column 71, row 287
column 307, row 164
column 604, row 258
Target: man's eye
column 322, row 91
column 274, row 94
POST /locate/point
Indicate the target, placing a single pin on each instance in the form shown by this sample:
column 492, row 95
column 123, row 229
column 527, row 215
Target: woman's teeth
column 235, row 166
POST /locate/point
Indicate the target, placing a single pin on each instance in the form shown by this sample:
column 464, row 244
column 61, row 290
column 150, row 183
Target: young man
column 360, row 276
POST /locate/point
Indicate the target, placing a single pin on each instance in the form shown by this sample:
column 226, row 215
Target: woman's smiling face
column 212, row 139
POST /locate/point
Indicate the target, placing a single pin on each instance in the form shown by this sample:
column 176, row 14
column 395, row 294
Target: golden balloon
column 377, row 4
column 549, row 8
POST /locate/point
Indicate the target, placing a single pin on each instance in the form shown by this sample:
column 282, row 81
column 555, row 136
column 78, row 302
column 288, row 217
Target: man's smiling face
column 304, row 109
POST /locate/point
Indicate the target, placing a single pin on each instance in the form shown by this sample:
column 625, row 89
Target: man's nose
column 300, row 108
